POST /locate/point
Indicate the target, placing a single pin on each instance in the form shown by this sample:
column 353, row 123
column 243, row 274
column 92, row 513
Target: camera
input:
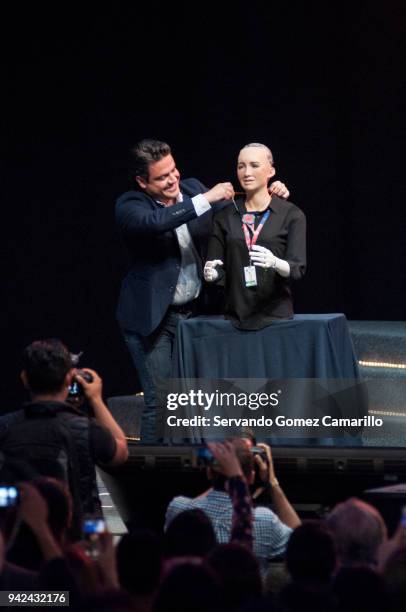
column 258, row 450
column 76, row 389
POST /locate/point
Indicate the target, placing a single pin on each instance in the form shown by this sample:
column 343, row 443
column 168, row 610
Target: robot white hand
column 262, row 257
column 209, row 271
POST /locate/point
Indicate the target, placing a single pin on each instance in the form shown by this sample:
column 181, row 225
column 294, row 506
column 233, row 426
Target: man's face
column 163, row 180
column 254, row 168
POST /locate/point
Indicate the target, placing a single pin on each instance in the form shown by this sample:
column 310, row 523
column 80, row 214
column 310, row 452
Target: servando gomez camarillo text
column 279, row 421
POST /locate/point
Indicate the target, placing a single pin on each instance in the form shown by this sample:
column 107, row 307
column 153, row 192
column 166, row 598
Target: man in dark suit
column 165, row 227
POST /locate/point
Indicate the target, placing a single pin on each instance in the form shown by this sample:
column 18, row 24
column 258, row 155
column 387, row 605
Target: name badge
column 250, row 276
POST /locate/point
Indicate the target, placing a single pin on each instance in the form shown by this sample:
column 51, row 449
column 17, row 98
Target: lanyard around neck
column 251, row 241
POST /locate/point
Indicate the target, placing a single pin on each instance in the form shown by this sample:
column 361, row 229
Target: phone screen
column 91, row 526
column 8, row 496
column 204, row 453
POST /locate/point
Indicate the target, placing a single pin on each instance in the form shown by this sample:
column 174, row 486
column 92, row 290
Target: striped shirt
column 270, row 534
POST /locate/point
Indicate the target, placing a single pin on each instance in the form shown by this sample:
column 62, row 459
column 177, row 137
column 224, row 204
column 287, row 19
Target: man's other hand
column 279, row 189
column 93, row 389
column 221, row 191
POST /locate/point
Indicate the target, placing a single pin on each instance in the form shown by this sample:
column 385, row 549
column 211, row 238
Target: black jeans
column 152, row 356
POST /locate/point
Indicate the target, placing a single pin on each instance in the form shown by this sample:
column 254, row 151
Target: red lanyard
column 251, row 241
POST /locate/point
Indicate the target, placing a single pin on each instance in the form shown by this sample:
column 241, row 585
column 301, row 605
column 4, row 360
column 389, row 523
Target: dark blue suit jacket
column 147, row 229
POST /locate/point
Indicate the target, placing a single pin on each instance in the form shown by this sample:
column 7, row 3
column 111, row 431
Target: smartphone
column 9, row 496
column 205, row 454
column 206, row 457
column 92, row 528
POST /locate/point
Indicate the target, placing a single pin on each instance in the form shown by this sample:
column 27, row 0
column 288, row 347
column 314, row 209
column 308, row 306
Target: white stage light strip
column 387, row 413
column 382, row 364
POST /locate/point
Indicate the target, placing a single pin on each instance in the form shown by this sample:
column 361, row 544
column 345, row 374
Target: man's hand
column 279, row 189
column 221, row 191
column 107, row 560
column 92, row 390
column 224, row 453
column 33, row 507
column 271, row 470
column 34, row 512
column 388, row 547
column 262, row 257
column 209, row 271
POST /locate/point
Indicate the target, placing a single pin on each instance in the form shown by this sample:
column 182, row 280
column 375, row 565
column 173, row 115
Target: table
column 305, row 348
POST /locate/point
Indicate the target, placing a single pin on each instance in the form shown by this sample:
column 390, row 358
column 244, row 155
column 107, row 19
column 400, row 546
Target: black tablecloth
column 307, row 346
column 310, row 359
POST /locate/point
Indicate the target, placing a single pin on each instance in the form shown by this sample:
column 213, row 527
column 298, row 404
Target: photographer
column 53, row 437
column 271, row 530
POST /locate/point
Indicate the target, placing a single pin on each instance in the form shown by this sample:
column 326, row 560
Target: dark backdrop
column 321, row 83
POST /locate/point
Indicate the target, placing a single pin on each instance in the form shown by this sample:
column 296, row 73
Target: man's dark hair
column 46, row 363
column 310, row 553
column 190, row 586
column 139, row 562
column 238, row 571
column 191, row 533
column 143, row 154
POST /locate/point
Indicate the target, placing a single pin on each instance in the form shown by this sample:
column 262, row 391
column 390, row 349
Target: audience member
column 190, row 586
column 239, row 574
column 310, row 554
column 358, row 530
column 270, row 533
column 53, row 437
column 190, row 533
column 139, row 566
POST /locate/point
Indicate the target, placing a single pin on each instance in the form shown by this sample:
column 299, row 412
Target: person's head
column 190, row 533
column 255, row 167
column 47, row 367
column 246, row 459
column 153, row 168
column 189, row 586
column 238, row 571
column 358, row 530
column 310, row 553
column 139, row 562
